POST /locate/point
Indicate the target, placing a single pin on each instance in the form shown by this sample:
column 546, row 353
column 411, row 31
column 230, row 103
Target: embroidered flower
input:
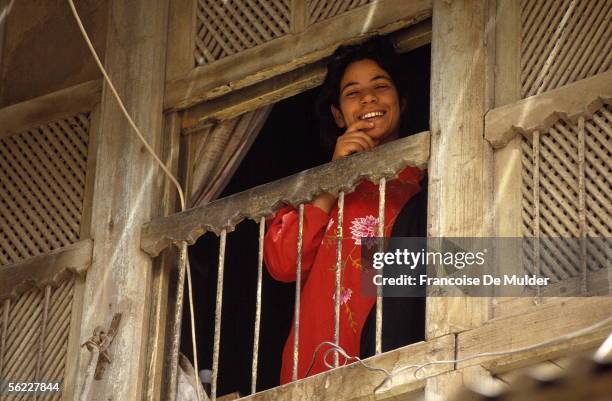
column 362, row 227
column 345, row 296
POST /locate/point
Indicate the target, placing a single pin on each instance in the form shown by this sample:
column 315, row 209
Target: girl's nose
column 368, row 97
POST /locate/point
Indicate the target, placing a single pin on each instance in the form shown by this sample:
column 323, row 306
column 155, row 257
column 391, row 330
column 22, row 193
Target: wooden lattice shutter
column 42, row 182
column 567, row 166
column 34, row 331
column 226, row 27
column 563, row 41
column 319, row 10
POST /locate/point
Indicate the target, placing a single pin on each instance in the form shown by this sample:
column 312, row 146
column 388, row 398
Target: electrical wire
column 389, row 375
column 159, row 163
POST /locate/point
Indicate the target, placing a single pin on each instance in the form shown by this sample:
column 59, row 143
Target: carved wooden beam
column 540, row 112
column 354, row 382
column 291, row 51
column 341, row 175
column 48, row 269
column 285, row 85
column 545, row 322
column 80, row 98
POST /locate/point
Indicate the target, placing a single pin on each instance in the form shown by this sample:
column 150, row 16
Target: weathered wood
column 291, row 51
column 507, row 52
column 448, row 384
column 598, row 284
column 344, row 174
column 460, row 179
column 163, row 298
column 74, row 341
column 125, row 196
column 181, row 37
column 354, row 382
column 41, row 110
column 545, row 322
column 285, row 85
column 49, row 269
column 540, row 112
column 90, row 173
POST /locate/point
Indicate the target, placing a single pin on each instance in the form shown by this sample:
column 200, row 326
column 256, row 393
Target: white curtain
column 218, row 151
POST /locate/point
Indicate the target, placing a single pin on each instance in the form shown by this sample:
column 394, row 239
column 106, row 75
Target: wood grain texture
column 344, row 174
column 540, row 112
column 126, row 194
column 543, row 322
column 48, row 269
column 355, row 383
column 460, row 179
column 290, row 51
column 54, row 106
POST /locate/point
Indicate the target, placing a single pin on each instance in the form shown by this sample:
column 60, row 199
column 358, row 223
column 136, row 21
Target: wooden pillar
column 461, row 164
column 126, row 195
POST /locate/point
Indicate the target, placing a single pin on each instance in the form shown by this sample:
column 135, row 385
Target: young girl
column 360, row 108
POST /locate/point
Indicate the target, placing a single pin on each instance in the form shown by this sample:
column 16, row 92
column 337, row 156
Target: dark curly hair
column 378, row 49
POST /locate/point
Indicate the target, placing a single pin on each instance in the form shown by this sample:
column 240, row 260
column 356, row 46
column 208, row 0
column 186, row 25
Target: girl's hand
column 354, row 140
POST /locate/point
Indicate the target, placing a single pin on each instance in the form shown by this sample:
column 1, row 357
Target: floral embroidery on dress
column 362, row 227
column 345, row 296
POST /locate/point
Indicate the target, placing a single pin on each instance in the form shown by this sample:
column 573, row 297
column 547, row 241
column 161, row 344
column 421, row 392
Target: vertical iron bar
column 339, row 235
column 262, row 229
column 218, row 308
column 381, row 233
column 582, row 206
column 178, row 319
column 535, row 147
column 298, row 290
column 43, row 334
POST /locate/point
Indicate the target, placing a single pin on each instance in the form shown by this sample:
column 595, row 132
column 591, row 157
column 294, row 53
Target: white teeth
column 372, row 114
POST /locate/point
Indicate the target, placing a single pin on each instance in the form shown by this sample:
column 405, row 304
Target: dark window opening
column 288, row 143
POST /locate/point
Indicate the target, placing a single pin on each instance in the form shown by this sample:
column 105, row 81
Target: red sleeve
column 280, row 243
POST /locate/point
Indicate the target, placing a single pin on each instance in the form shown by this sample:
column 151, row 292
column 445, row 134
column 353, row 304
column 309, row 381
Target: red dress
column 318, row 266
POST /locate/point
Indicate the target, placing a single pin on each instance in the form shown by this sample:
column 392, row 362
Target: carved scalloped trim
column 550, row 120
column 582, row 98
column 153, row 244
column 43, row 270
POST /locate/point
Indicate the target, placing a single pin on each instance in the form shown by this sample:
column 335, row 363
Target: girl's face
column 367, row 92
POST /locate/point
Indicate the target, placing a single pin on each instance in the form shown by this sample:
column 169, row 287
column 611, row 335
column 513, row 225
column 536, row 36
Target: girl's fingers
column 357, row 139
column 350, row 148
column 359, row 135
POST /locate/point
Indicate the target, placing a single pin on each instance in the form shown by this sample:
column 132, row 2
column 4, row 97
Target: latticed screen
column 563, row 41
column 226, row 27
column 319, row 10
column 567, row 190
column 42, row 180
column 34, row 330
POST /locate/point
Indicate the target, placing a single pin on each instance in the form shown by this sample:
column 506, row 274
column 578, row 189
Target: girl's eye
column 351, row 94
column 382, row 86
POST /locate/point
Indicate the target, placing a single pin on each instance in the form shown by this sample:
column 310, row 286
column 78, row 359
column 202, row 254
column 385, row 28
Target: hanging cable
column 159, row 163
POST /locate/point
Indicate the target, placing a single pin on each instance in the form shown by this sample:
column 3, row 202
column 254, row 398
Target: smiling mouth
column 371, row 115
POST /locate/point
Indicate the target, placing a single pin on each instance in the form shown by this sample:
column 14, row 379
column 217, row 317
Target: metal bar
column 176, row 324
column 339, row 235
column 218, row 307
column 262, row 230
column 535, row 149
column 43, row 334
column 298, row 290
column 381, row 233
column 582, row 206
